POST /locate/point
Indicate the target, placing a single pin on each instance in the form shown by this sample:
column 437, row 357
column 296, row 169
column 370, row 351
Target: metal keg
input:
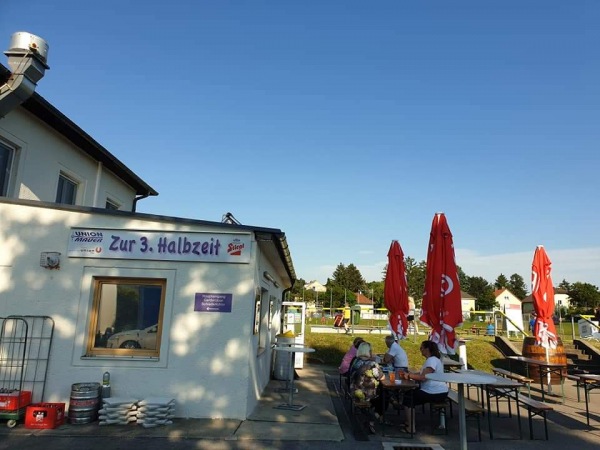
column 84, row 402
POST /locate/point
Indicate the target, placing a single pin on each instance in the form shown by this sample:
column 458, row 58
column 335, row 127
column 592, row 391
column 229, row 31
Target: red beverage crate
column 15, row 400
column 45, row 415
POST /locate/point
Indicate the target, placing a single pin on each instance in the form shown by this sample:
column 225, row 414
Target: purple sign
column 213, row 302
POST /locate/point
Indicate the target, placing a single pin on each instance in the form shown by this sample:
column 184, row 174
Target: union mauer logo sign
column 156, row 245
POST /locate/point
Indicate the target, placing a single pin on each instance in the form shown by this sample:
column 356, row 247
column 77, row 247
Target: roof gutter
column 140, row 197
column 27, row 58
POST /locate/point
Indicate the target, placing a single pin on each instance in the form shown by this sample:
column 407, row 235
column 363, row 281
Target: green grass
column 330, row 348
column 481, row 352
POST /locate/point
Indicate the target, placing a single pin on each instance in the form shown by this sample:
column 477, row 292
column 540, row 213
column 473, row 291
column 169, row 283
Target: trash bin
column 356, row 315
column 281, row 367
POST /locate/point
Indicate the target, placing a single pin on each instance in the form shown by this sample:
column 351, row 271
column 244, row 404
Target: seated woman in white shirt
column 429, row 391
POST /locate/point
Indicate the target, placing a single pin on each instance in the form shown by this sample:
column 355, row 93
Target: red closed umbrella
column 395, row 291
column 542, row 292
column 441, row 308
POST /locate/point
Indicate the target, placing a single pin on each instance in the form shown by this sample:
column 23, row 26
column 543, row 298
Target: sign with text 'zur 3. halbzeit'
column 157, row 245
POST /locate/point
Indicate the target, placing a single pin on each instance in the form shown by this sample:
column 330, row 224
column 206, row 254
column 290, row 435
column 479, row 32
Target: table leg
column 290, row 404
column 291, row 375
column 587, row 407
column 516, row 391
column 462, row 426
column 489, row 413
column 549, row 381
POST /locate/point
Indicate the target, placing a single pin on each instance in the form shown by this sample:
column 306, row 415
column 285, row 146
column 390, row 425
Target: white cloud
column 573, row 265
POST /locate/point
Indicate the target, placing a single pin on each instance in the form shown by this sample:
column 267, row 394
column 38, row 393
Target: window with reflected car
column 126, row 317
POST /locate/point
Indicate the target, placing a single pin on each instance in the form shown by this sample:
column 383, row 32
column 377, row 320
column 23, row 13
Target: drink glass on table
column 392, row 374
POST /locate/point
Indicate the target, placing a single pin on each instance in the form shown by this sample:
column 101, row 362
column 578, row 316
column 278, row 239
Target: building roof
column 363, row 299
column 44, row 111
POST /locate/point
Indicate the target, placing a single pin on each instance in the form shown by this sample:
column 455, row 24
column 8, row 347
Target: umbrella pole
column 548, row 378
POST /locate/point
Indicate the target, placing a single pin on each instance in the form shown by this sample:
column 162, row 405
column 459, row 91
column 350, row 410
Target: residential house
column 561, row 299
column 467, row 302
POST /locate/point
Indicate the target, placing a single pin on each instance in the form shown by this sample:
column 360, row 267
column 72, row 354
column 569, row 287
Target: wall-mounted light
column 269, row 277
column 50, row 260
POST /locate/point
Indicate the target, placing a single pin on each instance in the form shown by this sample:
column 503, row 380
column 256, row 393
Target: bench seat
column 579, row 382
column 514, row 376
column 534, row 408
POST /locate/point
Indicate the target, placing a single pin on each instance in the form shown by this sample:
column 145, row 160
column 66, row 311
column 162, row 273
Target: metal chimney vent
column 22, row 43
column 27, row 57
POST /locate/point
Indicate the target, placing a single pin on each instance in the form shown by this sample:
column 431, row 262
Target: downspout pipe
column 135, row 200
column 27, row 58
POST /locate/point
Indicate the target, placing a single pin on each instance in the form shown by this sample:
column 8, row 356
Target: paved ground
column 325, row 423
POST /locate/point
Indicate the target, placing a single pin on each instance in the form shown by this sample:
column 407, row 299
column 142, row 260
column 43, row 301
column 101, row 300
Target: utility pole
column 330, row 302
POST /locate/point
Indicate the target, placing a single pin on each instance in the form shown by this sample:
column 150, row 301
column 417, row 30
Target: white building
column 506, row 299
column 170, row 306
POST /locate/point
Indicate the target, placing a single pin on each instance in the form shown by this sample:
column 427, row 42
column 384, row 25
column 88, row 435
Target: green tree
column 415, row 276
column 517, row 286
column 564, row 284
column 340, row 276
column 374, row 290
column 483, row 292
column 462, row 278
column 297, row 288
column 501, row 282
column 584, row 296
column 346, row 282
column 354, row 278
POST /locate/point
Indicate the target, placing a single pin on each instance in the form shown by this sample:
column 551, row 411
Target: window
column 67, row 190
column 126, row 317
column 262, row 309
column 111, row 204
column 6, row 156
column 257, row 304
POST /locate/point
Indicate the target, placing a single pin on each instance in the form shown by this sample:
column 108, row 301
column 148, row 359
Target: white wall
column 208, row 361
column 507, row 300
column 42, row 154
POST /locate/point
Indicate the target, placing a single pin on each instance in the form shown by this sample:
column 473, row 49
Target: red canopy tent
column 395, row 291
column 542, row 292
column 441, row 308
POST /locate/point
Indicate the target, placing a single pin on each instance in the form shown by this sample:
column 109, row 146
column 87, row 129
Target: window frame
column 67, row 178
column 111, row 205
column 257, row 308
column 97, row 283
column 7, row 171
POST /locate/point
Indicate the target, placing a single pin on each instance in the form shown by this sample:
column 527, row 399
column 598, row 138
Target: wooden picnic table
column 545, row 368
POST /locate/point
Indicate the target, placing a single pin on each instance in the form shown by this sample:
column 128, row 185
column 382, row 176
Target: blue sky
column 347, row 124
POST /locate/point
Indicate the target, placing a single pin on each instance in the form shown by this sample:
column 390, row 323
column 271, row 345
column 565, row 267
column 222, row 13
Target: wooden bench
column 534, row 408
column 515, row 376
column 578, row 383
column 472, row 409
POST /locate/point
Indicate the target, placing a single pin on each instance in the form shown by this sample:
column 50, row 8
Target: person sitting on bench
column 395, row 357
column 430, row 391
